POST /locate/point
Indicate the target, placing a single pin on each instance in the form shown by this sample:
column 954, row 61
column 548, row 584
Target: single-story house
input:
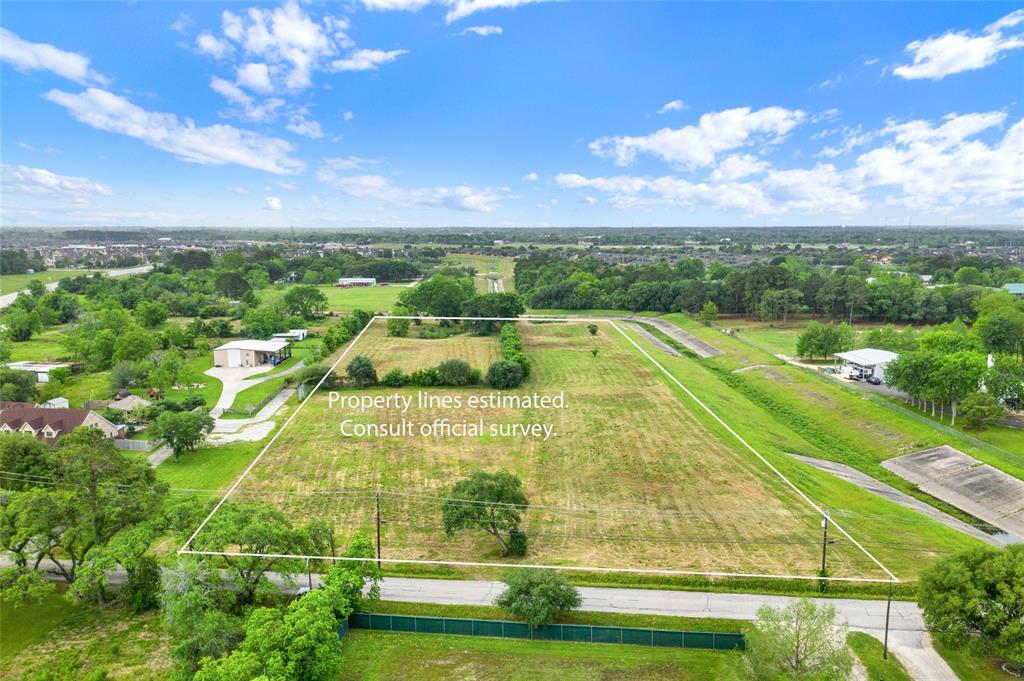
column 1014, row 289
column 40, row 369
column 292, row 335
column 129, row 403
column 251, row 353
column 49, row 423
column 865, row 363
column 349, row 282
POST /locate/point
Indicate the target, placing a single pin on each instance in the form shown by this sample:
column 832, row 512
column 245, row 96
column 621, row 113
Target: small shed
column 292, row 335
column 251, row 353
column 40, row 369
column 865, row 363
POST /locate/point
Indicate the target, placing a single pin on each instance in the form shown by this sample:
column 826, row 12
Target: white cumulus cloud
column 460, row 9
column 959, row 51
column 27, row 56
column 211, row 145
column 674, row 105
column 381, row 189
column 272, row 203
column 694, row 146
column 18, row 179
column 481, row 31
column 366, row 60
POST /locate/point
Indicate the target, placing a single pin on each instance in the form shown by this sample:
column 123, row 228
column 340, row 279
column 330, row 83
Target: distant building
column 292, row 335
column 251, row 353
column 1014, row 289
column 55, row 403
column 350, row 282
column 40, row 369
column 865, row 363
column 50, row 423
column 129, row 403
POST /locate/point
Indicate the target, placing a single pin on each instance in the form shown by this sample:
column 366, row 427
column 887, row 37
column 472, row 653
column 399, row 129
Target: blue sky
column 383, row 113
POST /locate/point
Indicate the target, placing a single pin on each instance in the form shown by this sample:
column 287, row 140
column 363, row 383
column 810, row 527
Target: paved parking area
column 963, row 481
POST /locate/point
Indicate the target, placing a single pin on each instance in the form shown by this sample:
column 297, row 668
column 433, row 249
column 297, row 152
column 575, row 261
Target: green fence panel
column 517, row 630
column 606, row 634
column 576, row 632
column 667, row 639
column 638, row 637
column 730, row 642
column 553, row 632
column 359, row 620
column 403, row 623
column 457, row 626
column 430, row 625
column 487, row 628
column 699, row 639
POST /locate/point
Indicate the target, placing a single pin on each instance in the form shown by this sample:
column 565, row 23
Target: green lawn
column 424, row 657
column 971, row 667
column 212, row 386
column 44, row 346
column 299, row 351
column 211, row 469
column 253, row 397
column 485, row 265
column 9, row 283
column 88, row 387
column 23, row 625
column 868, row 650
column 378, row 298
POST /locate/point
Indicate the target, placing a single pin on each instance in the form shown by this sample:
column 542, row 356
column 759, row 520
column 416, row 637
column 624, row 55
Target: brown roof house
column 47, row 423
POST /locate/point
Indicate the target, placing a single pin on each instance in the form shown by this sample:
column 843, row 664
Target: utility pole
column 885, row 643
column 376, row 497
column 824, row 541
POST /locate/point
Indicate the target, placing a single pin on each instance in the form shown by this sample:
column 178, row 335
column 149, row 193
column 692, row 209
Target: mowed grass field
column 636, row 477
column 370, row 298
column 487, row 265
column 9, row 283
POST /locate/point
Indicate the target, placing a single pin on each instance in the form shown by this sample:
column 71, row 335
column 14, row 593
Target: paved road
column 700, row 347
column 652, row 339
column 9, row 298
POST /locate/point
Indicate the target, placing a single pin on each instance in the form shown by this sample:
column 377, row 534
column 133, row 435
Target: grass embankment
column 904, row 540
column 972, row 667
column 633, row 478
column 379, row 298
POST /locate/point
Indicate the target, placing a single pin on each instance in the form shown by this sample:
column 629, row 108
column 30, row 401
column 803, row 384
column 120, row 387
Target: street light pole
column 885, row 643
column 824, row 541
column 377, row 500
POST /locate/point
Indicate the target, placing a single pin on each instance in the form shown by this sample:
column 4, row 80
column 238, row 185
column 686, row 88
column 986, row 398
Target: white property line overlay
column 185, row 548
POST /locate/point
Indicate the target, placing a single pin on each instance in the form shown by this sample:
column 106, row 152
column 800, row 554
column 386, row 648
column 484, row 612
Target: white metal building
column 40, row 369
column 251, row 353
column 865, row 363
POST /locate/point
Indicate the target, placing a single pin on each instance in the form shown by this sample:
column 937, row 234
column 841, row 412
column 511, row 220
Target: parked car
column 874, row 380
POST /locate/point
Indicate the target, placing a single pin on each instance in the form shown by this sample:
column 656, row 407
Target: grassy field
column 868, row 650
column 372, row 298
column 486, row 265
column 210, row 391
column 210, row 470
column 635, row 477
column 9, row 283
column 423, row 657
column 44, row 346
column 779, row 337
column 57, row 640
column 971, row 667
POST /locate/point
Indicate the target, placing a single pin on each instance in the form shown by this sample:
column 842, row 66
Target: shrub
column 454, row 372
column 517, row 543
column 193, row 401
column 396, row 378
column 512, row 348
column 142, row 588
column 537, row 596
column 504, row 374
column 361, row 371
column 425, row 378
column 592, row 328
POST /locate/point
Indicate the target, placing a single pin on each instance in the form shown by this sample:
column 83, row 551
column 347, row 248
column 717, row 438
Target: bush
column 517, row 543
column 192, row 402
column 142, row 588
column 512, row 348
column 504, row 374
column 455, row 372
column 537, row 596
column 425, row 378
column 396, row 378
column 361, row 371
